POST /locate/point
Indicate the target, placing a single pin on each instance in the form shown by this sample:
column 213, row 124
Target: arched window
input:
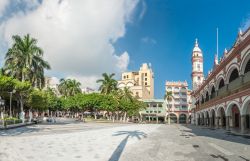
column 234, row 75
column 222, row 83
column 207, row 97
column 247, row 69
column 213, row 92
column 202, row 100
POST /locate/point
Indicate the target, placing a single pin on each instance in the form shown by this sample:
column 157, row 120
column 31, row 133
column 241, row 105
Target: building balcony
column 233, row 88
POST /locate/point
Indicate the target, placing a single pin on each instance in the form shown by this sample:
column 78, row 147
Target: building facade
column 155, row 111
column 223, row 98
column 180, row 102
column 141, row 83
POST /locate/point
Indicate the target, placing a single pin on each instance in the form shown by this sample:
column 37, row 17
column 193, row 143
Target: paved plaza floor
column 123, row 142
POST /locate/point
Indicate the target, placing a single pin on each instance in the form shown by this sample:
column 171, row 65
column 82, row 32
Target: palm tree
column 168, row 97
column 24, row 61
column 74, row 87
column 108, row 83
column 69, row 87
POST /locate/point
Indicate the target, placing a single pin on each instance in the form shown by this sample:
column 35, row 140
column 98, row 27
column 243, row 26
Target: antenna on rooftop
column 217, row 41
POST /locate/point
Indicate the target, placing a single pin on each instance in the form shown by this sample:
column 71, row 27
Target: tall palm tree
column 69, row 87
column 168, row 97
column 108, row 83
column 24, row 61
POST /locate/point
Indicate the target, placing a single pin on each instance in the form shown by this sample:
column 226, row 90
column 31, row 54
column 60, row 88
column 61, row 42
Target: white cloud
column 143, row 11
column 148, row 40
column 246, row 23
column 3, row 4
column 77, row 36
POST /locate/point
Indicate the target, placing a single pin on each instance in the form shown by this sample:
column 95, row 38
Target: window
column 146, row 83
column 127, row 76
column 160, row 105
column 199, row 67
column 154, row 105
column 199, row 78
column 146, row 79
column 124, row 77
column 159, row 111
column 146, row 74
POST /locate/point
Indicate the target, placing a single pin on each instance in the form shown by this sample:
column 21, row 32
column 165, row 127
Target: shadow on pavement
column 221, row 134
column 19, row 131
column 118, row 151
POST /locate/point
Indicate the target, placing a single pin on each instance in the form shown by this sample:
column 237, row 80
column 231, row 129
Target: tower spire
column 196, row 43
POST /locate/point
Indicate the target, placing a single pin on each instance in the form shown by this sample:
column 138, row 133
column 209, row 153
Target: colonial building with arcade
column 222, row 99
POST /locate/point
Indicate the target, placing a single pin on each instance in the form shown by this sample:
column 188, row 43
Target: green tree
column 24, row 61
column 108, row 83
column 22, row 90
column 69, row 87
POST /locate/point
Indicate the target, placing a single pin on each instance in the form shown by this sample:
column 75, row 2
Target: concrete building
column 223, row 98
column 141, row 82
column 179, row 104
column 155, row 111
column 52, row 82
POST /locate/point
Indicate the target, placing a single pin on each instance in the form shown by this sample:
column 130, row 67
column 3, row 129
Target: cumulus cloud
column 77, row 36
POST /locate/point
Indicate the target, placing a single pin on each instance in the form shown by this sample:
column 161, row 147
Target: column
column 227, row 87
column 210, row 122
column 227, row 123
column 242, row 79
column 217, row 122
column 243, row 124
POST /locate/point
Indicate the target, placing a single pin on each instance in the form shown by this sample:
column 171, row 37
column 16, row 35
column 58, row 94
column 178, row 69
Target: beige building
column 180, row 103
column 141, row 82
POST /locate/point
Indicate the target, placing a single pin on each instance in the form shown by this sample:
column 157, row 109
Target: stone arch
column 212, row 92
column 202, row 118
column 198, row 116
column 202, row 99
column 173, row 117
column 245, row 104
column 245, row 63
column 207, row 96
column 229, row 107
column 183, row 118
column 207, row 121
column 130, row 84
column 221, row 115
column 232, row 70
column 245, row 114
column 233, row 114
column 213, row 117
column 219, row 81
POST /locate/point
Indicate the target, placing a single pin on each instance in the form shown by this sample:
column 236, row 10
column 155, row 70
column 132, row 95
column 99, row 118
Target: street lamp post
column 11, row 93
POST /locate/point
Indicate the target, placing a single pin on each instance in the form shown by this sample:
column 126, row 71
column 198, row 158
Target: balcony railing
column 234, row 87
column 235, row 84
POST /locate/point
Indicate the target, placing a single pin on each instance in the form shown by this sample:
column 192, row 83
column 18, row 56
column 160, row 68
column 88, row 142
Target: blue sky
column 171, row 27
column 82, row 39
